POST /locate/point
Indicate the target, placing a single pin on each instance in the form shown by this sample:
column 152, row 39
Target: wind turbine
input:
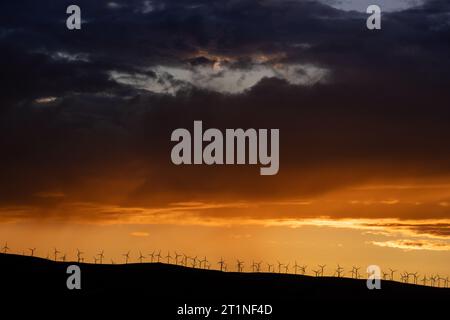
column 433, row 280
column 63, row 258
column 194, row 262
column 321, row 269
column 392, row 273
column 127, row 256
column 152, row 255
column 253, row 266
column 240, row 265
column 415, row 276
column 316, row 272
column 141, row 257
column 258, row 266
column 270, row 267
column 56, row 253
column 185, row 258
column 296, row 266
column 204, row 261
column 356, row 272
column 279, row 266
column 339, row 271
column 438, row 278
column 286, row 268
column 303, row 269
column 32, row 251
column 95, row 259
column 5, row 247
column 101, row 255
column 424, row 280
column 221, row 263
column 159, row 256
column 385, row 274
column 168, row 257
column 79, row 253
column 176, row 257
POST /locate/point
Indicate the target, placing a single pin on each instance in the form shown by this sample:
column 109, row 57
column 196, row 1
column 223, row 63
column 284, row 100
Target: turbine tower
column 151, row 255
column 339, row 271
column 322, row 267
column 176, row 257
column 32, row 251
column 392, row 273
column 141, row 257
column 221, row 263
column 159, row 256
column 79, row 254
column 101, row 256
column 240, row 265
column 127, row 256
column 56, row 252
column 5, row 247
column 168, row 257
column 303, row 269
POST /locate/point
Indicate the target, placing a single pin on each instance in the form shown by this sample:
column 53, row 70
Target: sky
column 86, row 119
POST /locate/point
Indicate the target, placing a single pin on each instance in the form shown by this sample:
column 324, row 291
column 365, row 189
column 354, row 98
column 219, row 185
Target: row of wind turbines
column 182, row 259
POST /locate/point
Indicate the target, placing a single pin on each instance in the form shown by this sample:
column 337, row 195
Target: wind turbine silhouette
column 270, row 267
column 415, row 276
column 5, row 247
column 317, row 272
column 321, row 269
column 240, row 265
column 392, row 273
column 101, row 255
column 279, row 266
column 303, row 269
column 185, row 258
column 95, row 259
column 258, row 266
column 151, row 255
column 385, row 274
column 141, row 257
column 194, row 262
column 32, row 251
column 355, row 270
column 221, row 263
column 56, row 253
column 127, row 256
column 286, row 268
column 159, row 256
column 168, row 257
column 296, row 266
column 176, row 257
column 424, row 280
column 339, row 271
column 438, row 278
column 253, row 266
column 79, row 253
column 204, row 261
column 63, row 258
column 433, row 280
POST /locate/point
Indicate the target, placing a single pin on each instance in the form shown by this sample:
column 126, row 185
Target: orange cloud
column 414, row 245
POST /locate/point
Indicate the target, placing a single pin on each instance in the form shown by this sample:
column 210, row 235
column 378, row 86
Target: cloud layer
column 86, row 116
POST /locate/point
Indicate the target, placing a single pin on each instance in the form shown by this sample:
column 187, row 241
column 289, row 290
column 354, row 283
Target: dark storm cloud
column 380, row 109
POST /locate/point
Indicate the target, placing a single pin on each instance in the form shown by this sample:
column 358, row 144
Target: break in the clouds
column 223, row 79
column 88, row 114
